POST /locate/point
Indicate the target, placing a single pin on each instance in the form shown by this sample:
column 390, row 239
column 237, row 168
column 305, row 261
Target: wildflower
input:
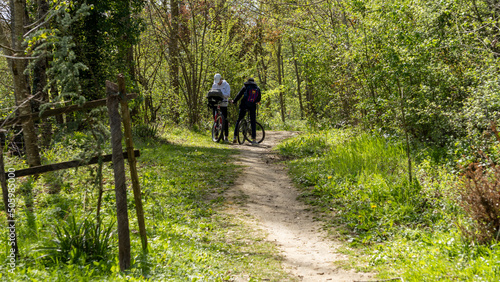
column 374, row 206
column 330, row 177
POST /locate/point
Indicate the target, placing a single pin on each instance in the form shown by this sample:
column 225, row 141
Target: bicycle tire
column 218, row 128
column 260, row 133
column 242, row 128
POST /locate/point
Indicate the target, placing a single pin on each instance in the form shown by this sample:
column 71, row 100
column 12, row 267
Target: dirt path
column 271, row 199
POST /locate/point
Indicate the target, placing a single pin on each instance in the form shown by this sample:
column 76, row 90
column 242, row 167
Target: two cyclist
column 250, row 93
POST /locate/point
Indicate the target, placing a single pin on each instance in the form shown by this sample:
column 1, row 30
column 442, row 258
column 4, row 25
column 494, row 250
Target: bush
column 481, row 201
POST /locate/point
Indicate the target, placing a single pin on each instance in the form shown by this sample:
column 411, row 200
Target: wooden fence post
column 127, row 128
column 10, row 206
column 120, row 185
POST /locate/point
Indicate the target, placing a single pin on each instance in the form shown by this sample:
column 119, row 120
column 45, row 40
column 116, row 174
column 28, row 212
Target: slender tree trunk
column 403, row 117
column 21, row 90
column 298, row 81
column 280, row 82
column 21, row 93
column 40, row 83
column 311, row 111
column 173, row 58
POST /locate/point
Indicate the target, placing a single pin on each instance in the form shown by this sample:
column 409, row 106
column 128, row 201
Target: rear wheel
column 242, row 128
column 217, row 128
column 260, row 134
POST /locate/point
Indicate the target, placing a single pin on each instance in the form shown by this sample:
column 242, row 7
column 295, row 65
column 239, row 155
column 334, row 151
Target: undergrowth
column 359, row 183
column 182, row 177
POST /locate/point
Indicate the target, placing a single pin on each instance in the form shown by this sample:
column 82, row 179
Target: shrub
column 73, row 241
column 481, row 201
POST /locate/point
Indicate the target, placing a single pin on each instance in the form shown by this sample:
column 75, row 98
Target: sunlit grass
column 360, row 184
column 182, row 176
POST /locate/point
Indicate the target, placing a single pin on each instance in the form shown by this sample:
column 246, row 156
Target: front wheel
column 242, row 129
column 217, row 128
column 260, row 134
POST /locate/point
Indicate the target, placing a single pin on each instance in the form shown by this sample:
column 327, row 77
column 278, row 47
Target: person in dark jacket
column 251, row 96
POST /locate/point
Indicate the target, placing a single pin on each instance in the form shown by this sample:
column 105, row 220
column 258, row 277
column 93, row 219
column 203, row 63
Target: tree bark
column 40, row 83
column 120, row 185
column 21, row 90
column 173, row 58
column 311, row 111
column 280, row 81
column 298, row 81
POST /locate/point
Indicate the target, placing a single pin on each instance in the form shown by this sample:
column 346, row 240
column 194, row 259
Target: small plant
column 145, row 130
column 73, row 241
column 481, row 201
column 304, row 146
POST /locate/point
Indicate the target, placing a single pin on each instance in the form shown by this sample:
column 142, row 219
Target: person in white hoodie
column 222, row 84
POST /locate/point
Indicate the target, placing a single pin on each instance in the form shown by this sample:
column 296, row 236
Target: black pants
column 223, row 110
column 251, row 111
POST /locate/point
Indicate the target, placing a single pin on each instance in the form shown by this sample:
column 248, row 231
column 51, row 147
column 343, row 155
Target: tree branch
column 8, row 48
column 19, row 58
column 38, row 26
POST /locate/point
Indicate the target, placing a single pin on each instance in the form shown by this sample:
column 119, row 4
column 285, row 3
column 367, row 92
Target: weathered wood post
column 127, row 128
column 8, row 192
column 120, row 186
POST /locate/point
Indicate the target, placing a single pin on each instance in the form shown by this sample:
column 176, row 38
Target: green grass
column 182, row 176
column 359, row 183
column 363, row 178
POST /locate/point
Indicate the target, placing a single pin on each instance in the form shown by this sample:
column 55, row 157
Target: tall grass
column 360, row 183
column 362, row 178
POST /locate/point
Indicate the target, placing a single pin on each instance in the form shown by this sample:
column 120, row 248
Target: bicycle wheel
column 242, row 129
column 217, row 128
column 259, row 133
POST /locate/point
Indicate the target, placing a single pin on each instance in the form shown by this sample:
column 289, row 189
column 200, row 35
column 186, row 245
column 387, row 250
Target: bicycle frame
column 218, row 125
column 217, row 112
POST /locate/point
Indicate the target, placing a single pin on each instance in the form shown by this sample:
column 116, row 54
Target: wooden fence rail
column 116, row 98
column 59, row 111
column 65, row 165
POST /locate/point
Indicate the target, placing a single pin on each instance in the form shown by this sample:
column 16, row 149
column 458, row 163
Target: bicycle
column 214, row 101
column 244, row 131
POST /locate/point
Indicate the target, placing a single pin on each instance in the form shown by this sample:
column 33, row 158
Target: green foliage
column 436, row 256
column 182, row 182
column 145, row 130
column 411, row 231
column 361, row 178
column 58, row 44
column 304, row 146
column 6, row 93
column 76, row 241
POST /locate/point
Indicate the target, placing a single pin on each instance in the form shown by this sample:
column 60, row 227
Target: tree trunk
column 311, row 112
column 40, row 83
column 298, row 81
column 280, row 81
column 173, row 59
column 21, row 90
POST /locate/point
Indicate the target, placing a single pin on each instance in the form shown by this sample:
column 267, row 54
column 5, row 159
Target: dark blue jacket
column 249, row 84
